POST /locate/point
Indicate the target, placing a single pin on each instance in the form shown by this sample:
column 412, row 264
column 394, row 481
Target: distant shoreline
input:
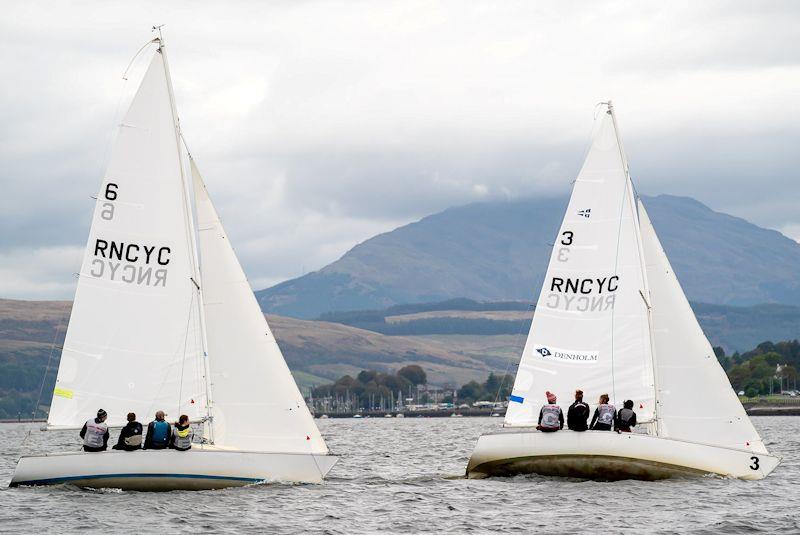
column 751, row 411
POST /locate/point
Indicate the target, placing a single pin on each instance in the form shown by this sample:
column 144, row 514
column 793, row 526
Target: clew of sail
column 134, row 341
column 257, row 405
column 590, row 329
column 696, row 401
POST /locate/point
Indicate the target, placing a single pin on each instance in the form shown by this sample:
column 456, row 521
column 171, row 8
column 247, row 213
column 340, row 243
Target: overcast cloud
column 319, row 124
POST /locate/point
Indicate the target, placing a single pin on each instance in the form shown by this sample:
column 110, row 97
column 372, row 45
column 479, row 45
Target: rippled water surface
column 404, row 476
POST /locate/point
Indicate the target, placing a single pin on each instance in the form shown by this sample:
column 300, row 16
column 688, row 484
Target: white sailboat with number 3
column 612, row 318
column 164, row 319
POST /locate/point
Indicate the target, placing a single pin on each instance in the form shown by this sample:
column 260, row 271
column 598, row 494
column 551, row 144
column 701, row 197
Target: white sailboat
column 164, row 319
column 612, row 318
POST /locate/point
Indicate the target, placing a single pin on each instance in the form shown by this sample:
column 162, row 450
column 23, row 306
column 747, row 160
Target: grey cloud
column 319, row 124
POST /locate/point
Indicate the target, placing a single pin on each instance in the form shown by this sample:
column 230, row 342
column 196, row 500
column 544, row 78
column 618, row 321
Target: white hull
column 605, row 455
column 160, row 470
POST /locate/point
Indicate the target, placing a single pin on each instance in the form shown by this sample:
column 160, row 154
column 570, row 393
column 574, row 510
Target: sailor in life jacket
column 130, row 438
column 158, row 433
column 550, row 416
column 626, row 418
column 182, row 434
column 578, row 413
column 95, row 433
column 604, row 415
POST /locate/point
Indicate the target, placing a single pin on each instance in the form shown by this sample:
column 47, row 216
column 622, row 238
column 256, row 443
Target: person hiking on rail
column 551, row 418
column 604, row 415
column 158, row 433
column 182, row 434
column 578, row 413
column 130, row 437
column 626, row 418
column 95, row 433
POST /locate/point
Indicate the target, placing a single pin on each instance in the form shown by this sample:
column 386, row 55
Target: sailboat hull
column 609, row 456
column 163, row 470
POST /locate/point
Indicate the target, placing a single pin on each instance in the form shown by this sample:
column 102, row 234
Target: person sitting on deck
column 158, row 433
column 626, row 418
column 95, row 433
column 578, row 413
column 130, row 437
column 604, row 415
column 182, row 434
column 551, row 418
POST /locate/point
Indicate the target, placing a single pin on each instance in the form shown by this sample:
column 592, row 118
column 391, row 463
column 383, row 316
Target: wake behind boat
column 164, row 318
column 612, row 317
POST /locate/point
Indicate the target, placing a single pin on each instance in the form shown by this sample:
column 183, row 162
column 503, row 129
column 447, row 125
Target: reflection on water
column 404, row 476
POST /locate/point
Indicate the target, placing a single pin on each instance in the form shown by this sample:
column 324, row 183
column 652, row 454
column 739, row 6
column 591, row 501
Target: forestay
column 590, row 328
column 134, row 340
column 257, row 405
column 696, row 401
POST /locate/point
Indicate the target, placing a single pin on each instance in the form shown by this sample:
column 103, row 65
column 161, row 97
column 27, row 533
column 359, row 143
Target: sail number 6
column 110, row 194
column 754, row 466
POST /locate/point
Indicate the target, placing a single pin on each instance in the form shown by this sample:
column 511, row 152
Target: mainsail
column 695, row 399
column 134, row 341
column 590, row 329
column 257, row 405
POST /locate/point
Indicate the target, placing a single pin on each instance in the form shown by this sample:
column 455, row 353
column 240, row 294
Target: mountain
column 499, row 251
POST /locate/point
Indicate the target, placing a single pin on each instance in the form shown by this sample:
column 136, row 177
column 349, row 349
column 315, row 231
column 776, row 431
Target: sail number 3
column 566, row 239
column 754, row 466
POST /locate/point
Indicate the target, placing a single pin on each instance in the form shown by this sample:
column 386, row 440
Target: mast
column 191, row 238
column 645, row 293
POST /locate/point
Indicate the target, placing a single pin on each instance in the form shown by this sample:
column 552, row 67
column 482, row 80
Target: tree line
column 768, row 369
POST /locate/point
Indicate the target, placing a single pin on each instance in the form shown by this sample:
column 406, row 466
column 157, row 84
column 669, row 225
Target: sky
column 317, row 125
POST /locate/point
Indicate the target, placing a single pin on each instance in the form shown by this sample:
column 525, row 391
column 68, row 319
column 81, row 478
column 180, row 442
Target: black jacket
column 130, row 429
column 577, row 416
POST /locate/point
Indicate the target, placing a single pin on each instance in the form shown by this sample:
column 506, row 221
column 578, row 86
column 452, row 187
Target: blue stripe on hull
column 68, row 479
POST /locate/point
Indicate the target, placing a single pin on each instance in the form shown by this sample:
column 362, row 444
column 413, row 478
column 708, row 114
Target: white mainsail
column 696, row 401
column 590, row 329
column 257, row 405
column 134, row 341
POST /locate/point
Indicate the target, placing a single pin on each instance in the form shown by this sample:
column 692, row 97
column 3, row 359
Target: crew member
column 182, row 434
column 130, row 438
column 95, row 433
column 158, row 433
column 551, row 418
column 578, row 413
column 604, row 415
column 626, row 418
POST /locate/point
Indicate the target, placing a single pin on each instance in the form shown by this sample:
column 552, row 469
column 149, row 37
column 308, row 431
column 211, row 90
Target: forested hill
column 499, row 251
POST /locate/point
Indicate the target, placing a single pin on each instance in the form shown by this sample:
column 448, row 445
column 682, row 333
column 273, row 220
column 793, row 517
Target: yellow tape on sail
column 63, row 392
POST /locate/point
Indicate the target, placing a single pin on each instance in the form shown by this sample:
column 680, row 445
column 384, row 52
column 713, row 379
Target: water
column 404, row 476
